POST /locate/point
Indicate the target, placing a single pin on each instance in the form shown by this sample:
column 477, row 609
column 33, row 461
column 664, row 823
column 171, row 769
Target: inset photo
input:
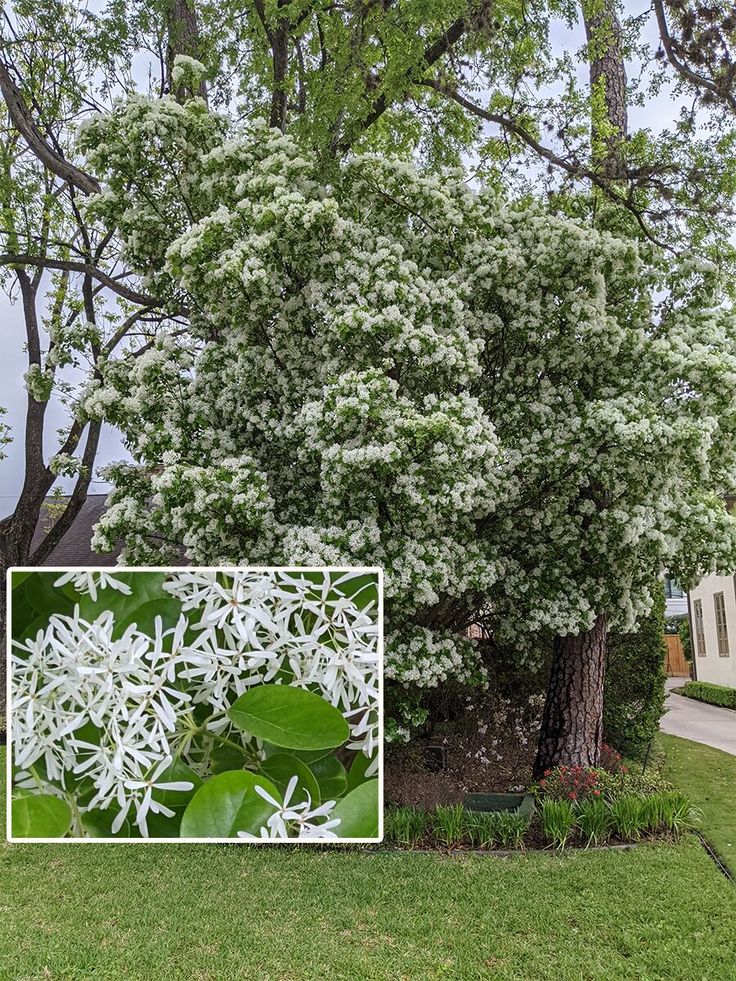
column 199, row 704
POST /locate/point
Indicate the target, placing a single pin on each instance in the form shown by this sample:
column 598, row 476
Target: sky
column 658, row 114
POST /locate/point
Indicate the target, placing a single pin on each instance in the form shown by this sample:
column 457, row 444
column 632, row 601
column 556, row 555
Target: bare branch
column 698, row 80
column 115, row 285
column 50, row 158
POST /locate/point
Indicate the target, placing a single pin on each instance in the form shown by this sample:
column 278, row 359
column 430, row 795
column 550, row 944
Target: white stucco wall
column 712, row 667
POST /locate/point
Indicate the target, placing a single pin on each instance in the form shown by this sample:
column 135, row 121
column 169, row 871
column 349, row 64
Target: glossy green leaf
column 356, row 775
column 358, row 812
column 281, row 767
column 361, row 588
column 331, row 777
column 40, row 816
column 147, row 600
column 289, row 717
column 98, row 824
column 177, row 798
column 224, row 758
column 226, row 804
column 33, row 600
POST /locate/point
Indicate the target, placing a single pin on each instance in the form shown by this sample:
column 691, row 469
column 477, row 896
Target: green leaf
column 144, row 616
column 40, row 816
column 357, row 776
column 98, row 824
column 361, row 588
column 17, row 578
column 177, row 799
column 331, row 777
column 289, row 717
column 358, row 812
column 224, row 758
column 281, row 767
column 33, row 600
column 146, row 601
column 226, row 804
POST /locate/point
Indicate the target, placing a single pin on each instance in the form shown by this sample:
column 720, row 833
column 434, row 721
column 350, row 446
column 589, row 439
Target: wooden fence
column 675, row 663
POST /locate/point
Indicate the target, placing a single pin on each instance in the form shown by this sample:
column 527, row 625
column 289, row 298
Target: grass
column 221, row 913
column 708, row 777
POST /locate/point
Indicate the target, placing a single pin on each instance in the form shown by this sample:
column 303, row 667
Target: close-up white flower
column 130, row 709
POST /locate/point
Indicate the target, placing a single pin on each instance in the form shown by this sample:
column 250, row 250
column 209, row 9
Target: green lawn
column 165, row 912
column 708, row 777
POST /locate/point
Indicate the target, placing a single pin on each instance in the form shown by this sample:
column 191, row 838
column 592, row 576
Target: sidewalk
column 702, row 723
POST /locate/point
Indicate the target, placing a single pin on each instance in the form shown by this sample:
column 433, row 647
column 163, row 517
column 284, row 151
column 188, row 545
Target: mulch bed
column 475, row 759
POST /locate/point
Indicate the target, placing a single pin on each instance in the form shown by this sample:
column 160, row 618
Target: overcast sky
column 658, row 114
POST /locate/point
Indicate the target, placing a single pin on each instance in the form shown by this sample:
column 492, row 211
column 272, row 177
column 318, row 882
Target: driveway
column 697, row 721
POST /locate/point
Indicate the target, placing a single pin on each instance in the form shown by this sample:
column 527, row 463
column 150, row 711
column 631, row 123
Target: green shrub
column 593, row 818
column 558, row 821
column 637, row 782
column 406, row 826
column 450, row 825
column 704, row 691
column 634, row 693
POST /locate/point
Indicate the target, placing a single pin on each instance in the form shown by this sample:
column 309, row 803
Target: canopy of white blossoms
column 506, row 409
column 107, row 717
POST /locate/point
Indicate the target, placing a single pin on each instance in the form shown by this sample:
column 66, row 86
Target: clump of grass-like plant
column 558, row 822
column 593, row 820
column 450, row 825
column 406, row 826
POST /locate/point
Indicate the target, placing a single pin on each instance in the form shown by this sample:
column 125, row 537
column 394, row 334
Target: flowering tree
column 514, row 414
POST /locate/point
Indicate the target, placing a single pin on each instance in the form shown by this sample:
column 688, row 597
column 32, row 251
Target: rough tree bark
column 182, row 29
column 572, row 726
column 609, row 121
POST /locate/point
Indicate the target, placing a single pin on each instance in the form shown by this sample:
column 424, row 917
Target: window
column 699, row 630
column 721, row 626
column 672, row 589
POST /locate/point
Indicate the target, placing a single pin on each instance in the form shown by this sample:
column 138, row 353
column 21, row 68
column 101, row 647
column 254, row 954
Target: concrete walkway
column 702, row 723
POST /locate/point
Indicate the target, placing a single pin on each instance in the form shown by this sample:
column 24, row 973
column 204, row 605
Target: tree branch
column 126, row 292
column 24, row 123
column 576, row 170
column 699, row 81
column 432, row 54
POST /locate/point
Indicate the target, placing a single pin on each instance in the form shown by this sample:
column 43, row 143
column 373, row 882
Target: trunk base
column 572, row 726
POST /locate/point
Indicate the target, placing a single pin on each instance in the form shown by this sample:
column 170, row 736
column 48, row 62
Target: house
column 675, row 599
column 712, row 611
column 75, row 548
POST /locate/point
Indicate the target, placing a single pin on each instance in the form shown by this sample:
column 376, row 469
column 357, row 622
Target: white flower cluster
column 300, row 817
column 115, row 714
column 506, row 409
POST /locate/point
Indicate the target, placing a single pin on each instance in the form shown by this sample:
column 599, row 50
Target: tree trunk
column 572, row 726
column 609, row 120
column 182, row 27
column 15, row 546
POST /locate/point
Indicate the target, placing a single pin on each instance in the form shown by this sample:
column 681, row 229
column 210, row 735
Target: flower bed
column 557, row 824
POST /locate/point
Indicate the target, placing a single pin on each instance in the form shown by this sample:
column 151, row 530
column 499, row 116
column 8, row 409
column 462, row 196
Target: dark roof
column 75, row 547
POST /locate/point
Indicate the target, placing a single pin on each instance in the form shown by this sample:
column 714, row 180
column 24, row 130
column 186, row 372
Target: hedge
column 633, row 699
column 704, row 691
